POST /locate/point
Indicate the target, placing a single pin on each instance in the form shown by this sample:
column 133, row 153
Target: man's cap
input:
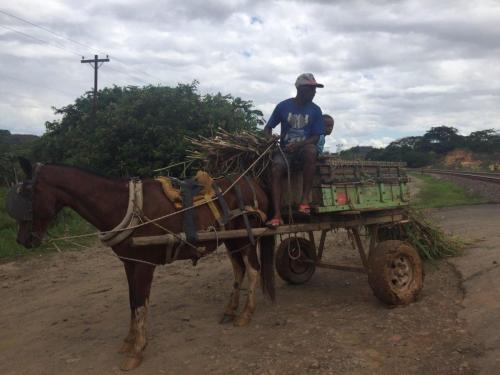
column 307, row 79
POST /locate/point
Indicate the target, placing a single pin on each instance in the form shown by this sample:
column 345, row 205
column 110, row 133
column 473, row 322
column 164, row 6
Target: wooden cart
column 358, row 197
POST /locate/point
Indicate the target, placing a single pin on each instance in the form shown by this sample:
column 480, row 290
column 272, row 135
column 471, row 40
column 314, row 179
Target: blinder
column 19, row 204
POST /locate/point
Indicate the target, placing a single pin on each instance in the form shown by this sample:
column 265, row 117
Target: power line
column 45, row 29
column 125, row 64
column 40, row 40
column 78, row 43
column 137, row 70
column 128, row 75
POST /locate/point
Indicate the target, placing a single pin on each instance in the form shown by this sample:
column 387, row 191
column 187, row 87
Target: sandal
column 304, row 209
column 274, row 223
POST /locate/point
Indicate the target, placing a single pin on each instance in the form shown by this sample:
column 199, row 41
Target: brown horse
column 103, row 203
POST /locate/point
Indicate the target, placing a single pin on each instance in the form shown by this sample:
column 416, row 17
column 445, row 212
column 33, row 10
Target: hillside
column 14, row 142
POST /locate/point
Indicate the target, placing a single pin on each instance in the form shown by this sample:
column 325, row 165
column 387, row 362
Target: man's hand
column 292, row 147
column 268, row 133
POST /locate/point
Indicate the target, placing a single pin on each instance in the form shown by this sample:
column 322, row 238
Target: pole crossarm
column 95, row 64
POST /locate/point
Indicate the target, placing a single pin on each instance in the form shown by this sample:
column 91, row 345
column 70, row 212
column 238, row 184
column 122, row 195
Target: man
column 301, row 126
column 329, row 123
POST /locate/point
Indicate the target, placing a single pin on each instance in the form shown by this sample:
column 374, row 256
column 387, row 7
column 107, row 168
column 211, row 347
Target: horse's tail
column 267, row 245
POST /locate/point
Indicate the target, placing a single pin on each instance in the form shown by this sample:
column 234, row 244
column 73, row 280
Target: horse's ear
column 26, row 167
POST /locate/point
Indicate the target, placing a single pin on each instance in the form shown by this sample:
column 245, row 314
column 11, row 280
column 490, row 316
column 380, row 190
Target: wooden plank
column 341, row 267
column 203, row 236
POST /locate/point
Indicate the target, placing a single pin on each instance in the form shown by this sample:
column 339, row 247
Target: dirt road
column 479, row 269
column 67, row 314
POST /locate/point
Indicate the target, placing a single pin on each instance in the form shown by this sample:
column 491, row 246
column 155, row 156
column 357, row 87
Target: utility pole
column 96, row 64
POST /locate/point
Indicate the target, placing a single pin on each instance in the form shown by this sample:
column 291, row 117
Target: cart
column 353, row 195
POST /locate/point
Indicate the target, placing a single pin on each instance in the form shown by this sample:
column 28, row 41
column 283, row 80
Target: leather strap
column 241, row 206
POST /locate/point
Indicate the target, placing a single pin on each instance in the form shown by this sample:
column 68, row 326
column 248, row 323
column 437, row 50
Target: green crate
column 341, row 185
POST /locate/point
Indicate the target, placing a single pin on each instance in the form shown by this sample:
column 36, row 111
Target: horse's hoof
column 242, row 321
column 131, row 362
column 126, row 347
column 226, row 318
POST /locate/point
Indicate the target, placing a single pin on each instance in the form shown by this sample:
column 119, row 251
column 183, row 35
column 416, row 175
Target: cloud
column 390, row 68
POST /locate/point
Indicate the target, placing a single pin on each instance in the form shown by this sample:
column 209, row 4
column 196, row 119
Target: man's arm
column 273, row 121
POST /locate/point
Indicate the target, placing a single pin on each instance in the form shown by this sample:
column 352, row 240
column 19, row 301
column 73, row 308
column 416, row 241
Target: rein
column 150, row 221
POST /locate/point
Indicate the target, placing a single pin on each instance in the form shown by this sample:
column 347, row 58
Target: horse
column 103, row 202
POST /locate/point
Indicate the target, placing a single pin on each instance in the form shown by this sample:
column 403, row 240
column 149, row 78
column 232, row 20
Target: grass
column 435, row 193
column 68, row 223
column 427, row 238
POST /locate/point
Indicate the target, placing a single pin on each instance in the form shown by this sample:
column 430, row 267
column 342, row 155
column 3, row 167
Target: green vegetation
column 68, row 223
column 436, row 192
column 428, row 149
column 428, row 239
column 12, row 145
column 138, row 130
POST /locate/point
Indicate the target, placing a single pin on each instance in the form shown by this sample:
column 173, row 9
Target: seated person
column 329, row 123
column 301, row 127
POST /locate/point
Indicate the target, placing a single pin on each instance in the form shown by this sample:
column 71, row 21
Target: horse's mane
column 89, row 171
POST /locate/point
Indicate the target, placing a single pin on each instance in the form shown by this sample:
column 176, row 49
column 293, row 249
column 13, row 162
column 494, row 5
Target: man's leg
column 309, row 168
column 278, row 172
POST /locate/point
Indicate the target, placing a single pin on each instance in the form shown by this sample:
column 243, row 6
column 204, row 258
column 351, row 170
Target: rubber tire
column 379, row 276
column 291, row 270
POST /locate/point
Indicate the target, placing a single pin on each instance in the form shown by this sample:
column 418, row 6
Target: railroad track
column 482, row 176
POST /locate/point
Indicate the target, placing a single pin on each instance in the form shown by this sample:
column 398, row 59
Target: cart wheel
column 395, row 272
column 294, row 260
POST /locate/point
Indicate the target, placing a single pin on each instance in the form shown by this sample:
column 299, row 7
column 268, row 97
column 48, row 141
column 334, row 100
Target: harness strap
column 187, row 192
column 222, row 202
column 241, row 206
column 131, row 218
column 237, row 212
column 214, row 209
column 249, row 182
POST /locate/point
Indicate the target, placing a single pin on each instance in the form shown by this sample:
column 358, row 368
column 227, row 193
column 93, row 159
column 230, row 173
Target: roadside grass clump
column 68, row 223
column 435, row 193
column 428, row 239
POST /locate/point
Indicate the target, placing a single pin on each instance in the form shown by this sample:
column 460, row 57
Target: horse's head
column 33, row 205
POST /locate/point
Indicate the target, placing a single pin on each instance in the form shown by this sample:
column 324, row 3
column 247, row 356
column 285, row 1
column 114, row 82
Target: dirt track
column 67, row 314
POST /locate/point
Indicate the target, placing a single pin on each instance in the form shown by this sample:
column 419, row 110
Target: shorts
column 295, row 159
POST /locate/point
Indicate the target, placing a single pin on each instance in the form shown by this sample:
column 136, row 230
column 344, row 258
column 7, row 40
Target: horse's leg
column 239, row 274
column 128, row 342
column 252, row 265
column 143, row 276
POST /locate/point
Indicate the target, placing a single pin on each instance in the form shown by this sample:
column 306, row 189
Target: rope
column 135, row 260
column 212, row 228
column 290, row 216
column 149, row 221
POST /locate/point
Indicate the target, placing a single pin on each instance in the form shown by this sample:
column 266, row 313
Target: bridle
column 20, row 201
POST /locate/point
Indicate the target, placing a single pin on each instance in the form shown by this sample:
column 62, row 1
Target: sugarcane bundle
column 231, row 153
column 429, row 240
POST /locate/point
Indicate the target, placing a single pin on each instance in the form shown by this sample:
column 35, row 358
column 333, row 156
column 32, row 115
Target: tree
column 11, row 146
column 484, row 141
column 408, row 142
column 356, row 152
column 138, row 130
column 441, row 139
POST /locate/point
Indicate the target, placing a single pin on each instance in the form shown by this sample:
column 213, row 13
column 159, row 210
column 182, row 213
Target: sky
column 390, row 68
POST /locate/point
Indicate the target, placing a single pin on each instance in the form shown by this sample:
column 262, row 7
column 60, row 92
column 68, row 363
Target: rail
column 482, row 176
